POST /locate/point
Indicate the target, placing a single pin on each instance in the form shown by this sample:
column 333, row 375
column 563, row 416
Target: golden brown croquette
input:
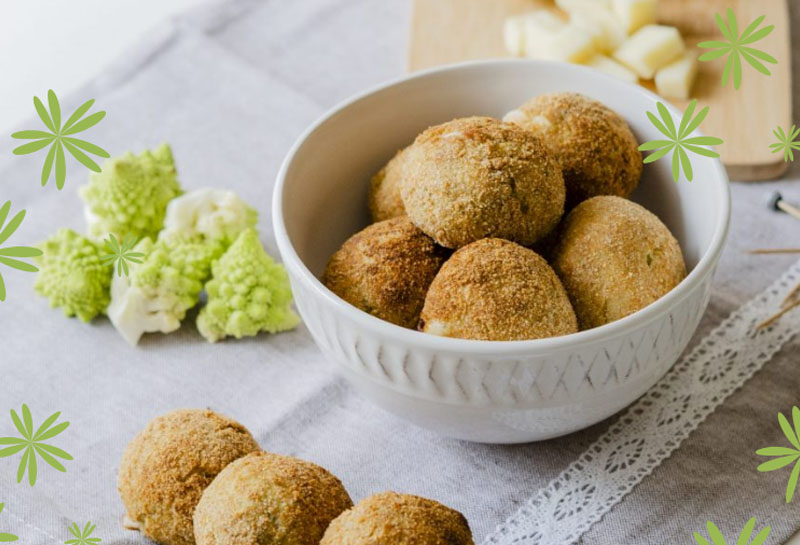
column 614, row 258
column 165, row 469
column 597, row 151
column 385, row 270
column 265, row 499
column 497, row 290
column 478, row 177
column 390, row 518
column 385, row 201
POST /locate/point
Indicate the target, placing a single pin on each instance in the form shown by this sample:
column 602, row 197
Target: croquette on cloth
column 230, row 86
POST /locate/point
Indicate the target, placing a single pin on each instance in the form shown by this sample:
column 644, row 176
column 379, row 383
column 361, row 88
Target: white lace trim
column 653, row 427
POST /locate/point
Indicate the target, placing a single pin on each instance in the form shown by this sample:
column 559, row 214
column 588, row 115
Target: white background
column 57, row 44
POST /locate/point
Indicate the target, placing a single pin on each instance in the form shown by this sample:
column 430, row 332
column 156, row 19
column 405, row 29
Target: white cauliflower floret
column 217, row 214
column 159, row 291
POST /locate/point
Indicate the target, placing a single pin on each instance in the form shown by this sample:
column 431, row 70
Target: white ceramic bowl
column 487, row 391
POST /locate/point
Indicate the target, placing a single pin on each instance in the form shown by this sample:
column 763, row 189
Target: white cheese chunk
column 652, row 47
column 539, row 28
column 544, row 20
column 539, row 25
column 569, row 44
column 676, row 80
column 514, row 35
column 607, row 31
column 611, row 67
column 634, row 14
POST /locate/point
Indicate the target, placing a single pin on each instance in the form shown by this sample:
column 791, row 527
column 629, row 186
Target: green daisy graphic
column 679, row 142
column 786, row 143
column 9, row 254
column 121, row 254
column 82, row 537
column 6, row 537
column 61, row 137
column 738, row 47
column 784, row 456
column 744, row 536
column 32, row 444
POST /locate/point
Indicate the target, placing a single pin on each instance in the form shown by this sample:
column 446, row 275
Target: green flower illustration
column 744, row 536
column 7, row 254
column 783, row 456
column 82, row 537
column 678, row 142
column 32, row 443
column 786, row 143
column 121, row 254
column 61, row 137
column 737, row 48
column 4, row 537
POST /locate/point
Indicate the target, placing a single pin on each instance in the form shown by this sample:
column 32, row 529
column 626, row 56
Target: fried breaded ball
column 597, row 151
column 265, row 498
column 497, row 290
column 390, row 518
column 165, row 469
column 385, row 201
column 478, row 177
column 614, row 258
column 385, row 270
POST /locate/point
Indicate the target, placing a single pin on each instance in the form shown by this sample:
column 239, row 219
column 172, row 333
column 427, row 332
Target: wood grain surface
column 447, row 31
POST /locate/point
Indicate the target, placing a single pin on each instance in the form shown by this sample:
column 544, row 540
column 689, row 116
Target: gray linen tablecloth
column 230, row 86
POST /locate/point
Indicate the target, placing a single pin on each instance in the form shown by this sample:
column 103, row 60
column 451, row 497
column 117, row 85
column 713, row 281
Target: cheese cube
column 675, row 80
column 536, row 28
column 569, row 44
column 634, row 14
column 612, row 68
column 542, row 22
column 514, row 36
column 607, row 31
column 540, row 25
column 650, row 48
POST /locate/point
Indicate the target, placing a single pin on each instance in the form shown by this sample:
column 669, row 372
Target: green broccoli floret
column 130, row 195
column 72, row 275
column 159, row 291
column 248, row 293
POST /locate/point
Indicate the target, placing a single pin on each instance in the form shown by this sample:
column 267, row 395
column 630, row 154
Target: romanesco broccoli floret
column 72, row 275
column 130, row 195
column 248, row 293
column 217, row 214
column 157, row 293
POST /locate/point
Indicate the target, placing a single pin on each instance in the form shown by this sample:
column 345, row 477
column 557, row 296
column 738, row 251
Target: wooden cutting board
column 447, row 31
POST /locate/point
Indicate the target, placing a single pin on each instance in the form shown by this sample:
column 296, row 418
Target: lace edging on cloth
column 652, row 428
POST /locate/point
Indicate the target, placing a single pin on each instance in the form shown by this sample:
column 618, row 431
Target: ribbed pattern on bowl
column 563, row 377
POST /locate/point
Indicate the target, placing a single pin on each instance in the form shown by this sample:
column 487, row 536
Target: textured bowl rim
column 704, row 267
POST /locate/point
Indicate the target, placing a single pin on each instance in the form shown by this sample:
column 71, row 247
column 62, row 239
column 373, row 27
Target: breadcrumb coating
column 614, row 258
column 165, row 469
column 385, row 270
column 597, row 151
column 265, row 498
column 497, row 290
column 479, row 177
column 390, row 518
column 385, row 201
